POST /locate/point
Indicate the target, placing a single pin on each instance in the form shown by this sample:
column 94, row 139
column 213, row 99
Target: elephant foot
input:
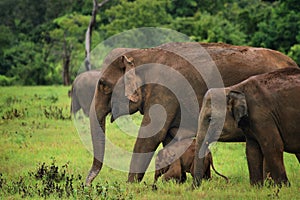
column 135, row 177
column 154, row 187
column 97, row 165
column 278, row 183
column 91, row 177
column 196, row 183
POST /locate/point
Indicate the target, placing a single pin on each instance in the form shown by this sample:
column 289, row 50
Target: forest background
column 39, row 37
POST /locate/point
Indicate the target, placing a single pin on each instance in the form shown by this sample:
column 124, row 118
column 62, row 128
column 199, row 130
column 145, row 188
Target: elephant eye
column 101, row 82
column 208, row 118
column 105, row 88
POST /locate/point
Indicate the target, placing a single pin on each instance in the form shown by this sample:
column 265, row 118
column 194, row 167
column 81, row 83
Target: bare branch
column 88, row 34
column 102, row 3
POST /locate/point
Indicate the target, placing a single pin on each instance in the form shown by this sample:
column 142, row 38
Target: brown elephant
column 177, row 158
column 82, row 92
column 266, row 107
column 134, row 82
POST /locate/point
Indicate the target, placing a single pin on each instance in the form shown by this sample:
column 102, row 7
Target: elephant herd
column 185, row 106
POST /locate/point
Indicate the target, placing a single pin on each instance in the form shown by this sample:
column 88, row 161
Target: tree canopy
column 37, row 37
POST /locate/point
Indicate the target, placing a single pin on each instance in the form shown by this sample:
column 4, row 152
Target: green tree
column 27, row 66
column 68, row 42
column 210, row 28
column 6, row 39
column 280, row 30
column 39, row 37
column 140, row 13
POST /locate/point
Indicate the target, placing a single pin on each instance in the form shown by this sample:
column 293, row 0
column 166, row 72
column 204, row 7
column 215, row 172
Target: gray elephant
column 177, row 158
column 134, row 81
column 266, row 108
column 82, row 92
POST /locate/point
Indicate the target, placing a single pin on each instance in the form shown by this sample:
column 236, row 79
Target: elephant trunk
column 199, row 162
column 97, row 126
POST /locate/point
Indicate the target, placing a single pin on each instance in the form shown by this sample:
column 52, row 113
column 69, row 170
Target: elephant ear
column 130, row 79
column 169, row 156
column 165, row 158
column 238, row 105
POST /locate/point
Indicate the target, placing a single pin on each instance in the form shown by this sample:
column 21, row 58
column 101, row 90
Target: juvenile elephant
column 135, row 78
column 82, row 92
column 177, row 158
column 267, row 108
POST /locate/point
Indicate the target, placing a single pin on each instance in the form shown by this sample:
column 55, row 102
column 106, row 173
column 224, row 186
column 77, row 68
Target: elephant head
column 236, row 108
column 127, row 95
column 222, row 116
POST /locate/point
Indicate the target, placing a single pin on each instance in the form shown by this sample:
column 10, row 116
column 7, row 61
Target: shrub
column 7, row 81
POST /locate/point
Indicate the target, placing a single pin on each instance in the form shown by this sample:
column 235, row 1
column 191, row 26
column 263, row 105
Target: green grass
column 35, row 128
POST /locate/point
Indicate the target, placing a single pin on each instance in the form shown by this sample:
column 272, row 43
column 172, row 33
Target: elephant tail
column 75, row 106
column 213, row 167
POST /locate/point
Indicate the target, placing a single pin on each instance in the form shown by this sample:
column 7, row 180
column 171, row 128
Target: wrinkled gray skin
column 82, row 92
column 234, row 64
column 266, row 108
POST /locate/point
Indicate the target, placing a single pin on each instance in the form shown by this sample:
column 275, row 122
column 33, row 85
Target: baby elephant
column 267, row 108
column 176, row 159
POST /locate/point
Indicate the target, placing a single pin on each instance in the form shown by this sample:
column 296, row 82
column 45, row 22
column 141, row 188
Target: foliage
column 209, row 28
column 6, row 81
column 36, row 36
column 294, row 53
column 280, row 30
column 140, row 13
column 67, row 39
column 49, row 181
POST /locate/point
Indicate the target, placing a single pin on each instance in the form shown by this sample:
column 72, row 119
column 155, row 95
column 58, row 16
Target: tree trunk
column 88, row 34
column 66, row 62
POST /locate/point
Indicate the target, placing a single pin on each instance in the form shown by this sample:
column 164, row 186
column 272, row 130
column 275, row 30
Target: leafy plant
column 55, row 112
column 14, row 113
column 54, row 181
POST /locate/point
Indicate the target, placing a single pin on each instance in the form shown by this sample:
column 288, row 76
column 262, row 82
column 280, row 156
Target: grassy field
column 42, row 156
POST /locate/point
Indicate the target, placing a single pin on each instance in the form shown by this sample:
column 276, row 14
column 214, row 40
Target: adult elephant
column 82, row 91
column 135, row 82
column 266, row 107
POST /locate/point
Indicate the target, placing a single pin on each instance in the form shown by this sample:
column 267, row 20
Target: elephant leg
column 267, row 170
column 274, row 160
column 152, row 132
column 174, row 172
column 98, row 140
column 255, row 161
column 277, row 169
column 183, row 177
column 207, row 162
column 272, row 146
column 157, row 174
column 141, row 159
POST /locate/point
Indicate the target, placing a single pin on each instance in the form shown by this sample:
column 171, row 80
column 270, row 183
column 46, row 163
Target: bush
column 7, row 81
column 294, row 53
